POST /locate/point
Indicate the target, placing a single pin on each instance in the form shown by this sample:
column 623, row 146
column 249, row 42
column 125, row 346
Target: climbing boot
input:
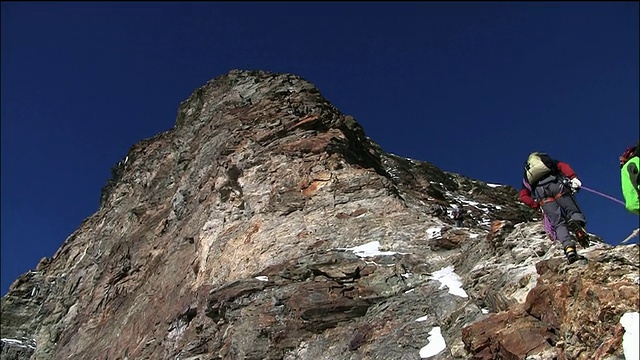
column 570, row 252
column 577, row 227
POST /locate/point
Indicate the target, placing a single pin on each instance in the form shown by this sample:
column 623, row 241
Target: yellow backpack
column 537, row 167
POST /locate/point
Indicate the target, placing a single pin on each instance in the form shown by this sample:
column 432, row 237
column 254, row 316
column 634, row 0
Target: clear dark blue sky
column 470, row 87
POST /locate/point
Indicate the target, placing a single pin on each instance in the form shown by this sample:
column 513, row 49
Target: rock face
column 267, row 225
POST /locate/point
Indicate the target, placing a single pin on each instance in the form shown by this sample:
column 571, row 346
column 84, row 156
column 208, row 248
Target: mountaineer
column 549, row 185
column 629, row 176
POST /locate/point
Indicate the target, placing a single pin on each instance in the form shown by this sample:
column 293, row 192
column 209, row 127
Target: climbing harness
column 550, row 199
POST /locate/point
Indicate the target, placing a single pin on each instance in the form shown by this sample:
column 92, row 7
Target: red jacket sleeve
column 525, row 197
column 566, row 170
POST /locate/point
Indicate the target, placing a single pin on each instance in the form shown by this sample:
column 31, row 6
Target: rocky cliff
column 267, row 225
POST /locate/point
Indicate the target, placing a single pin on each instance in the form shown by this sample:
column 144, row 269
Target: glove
column 575, row 184
column 535, row 206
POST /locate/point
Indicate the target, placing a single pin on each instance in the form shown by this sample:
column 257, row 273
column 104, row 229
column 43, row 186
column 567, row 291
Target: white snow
column 12, row 341
column 262, row 278
column 16, row 342
column 493, row 185
column 446, row 276
column 630, row 344
column 450, row 279
column 467, row 201
column 435, row 346
column 434, row 233
column 369, row 249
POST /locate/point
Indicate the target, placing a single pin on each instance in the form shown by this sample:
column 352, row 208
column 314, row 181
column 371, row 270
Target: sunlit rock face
column 267, row 225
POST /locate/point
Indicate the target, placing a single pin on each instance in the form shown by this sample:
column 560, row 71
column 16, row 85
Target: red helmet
column 628, row 154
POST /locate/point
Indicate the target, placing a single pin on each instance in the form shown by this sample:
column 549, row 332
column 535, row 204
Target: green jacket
column 630, row 187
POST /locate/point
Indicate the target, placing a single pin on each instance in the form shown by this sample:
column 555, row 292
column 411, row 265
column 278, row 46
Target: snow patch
column 434, row 233
column 451, row 280
column 18, row 343
column 435, row 346
column 369, row 249
column 630, row 344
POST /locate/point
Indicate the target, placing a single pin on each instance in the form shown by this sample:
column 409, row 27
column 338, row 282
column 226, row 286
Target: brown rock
column 231, row 236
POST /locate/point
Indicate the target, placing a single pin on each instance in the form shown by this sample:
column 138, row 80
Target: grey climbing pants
column 558, row 208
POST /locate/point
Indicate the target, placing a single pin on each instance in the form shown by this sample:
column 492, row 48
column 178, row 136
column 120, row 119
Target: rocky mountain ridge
column 245, row 232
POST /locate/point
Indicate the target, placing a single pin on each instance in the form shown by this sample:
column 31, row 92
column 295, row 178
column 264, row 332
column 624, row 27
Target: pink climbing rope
column 603, row 195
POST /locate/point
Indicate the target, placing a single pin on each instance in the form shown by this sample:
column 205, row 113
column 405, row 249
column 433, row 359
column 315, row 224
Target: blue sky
column 470, row 87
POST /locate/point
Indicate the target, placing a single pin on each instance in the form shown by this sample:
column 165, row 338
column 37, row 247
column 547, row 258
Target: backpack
column 538, row 166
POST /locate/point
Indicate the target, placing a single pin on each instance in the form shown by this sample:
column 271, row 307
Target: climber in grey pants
column 555, row 199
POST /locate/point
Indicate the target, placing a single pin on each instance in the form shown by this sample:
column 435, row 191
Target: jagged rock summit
column 267, row 225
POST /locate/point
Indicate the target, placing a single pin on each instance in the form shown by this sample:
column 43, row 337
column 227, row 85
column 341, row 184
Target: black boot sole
column 580, row 233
